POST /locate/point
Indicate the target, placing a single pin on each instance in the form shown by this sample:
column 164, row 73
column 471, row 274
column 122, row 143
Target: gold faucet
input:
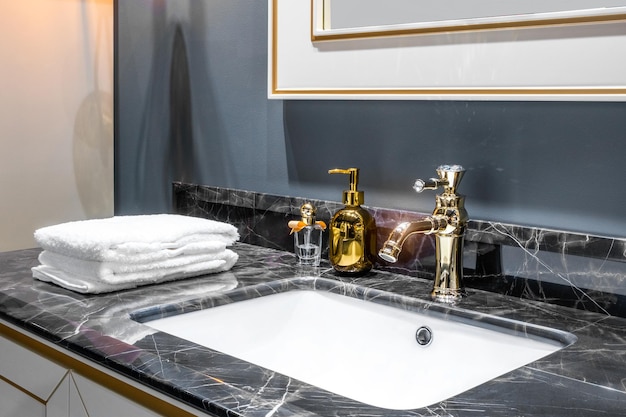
column 448, row 223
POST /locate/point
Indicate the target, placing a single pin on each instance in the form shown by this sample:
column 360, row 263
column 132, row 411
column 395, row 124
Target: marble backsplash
column 578, row 270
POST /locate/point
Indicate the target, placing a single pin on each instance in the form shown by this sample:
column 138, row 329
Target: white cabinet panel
column 15, row 403
column 33, row 385
column 77, row 408
column 28, row 370
column 58, row 404
column 102, row 402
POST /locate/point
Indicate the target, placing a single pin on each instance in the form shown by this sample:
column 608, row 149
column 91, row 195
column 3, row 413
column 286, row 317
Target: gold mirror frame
column 615, row 91
column 321, row 29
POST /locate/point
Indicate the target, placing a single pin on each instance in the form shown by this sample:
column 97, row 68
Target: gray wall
column 192, row 106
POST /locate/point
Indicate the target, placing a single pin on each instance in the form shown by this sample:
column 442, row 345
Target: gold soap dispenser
column 352, row 231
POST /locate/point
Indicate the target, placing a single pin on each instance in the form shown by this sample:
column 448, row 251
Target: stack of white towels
column 121, row 252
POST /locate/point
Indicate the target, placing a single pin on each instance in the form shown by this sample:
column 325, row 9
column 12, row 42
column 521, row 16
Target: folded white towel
column 117, row 272
column 122, row 238
column 89, row 283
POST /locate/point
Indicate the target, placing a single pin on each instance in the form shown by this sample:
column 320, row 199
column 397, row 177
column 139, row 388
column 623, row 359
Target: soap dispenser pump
column 352, row 231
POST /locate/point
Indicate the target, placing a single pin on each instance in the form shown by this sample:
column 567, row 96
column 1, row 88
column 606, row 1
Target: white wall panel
column 56, row 115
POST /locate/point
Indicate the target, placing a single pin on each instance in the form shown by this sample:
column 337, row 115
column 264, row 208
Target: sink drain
column 424, row 336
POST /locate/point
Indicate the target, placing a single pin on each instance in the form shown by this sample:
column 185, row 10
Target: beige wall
column 56, row 115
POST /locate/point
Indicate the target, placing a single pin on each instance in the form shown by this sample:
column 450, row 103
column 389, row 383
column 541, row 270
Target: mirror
column 575, row 57
column 358, row 18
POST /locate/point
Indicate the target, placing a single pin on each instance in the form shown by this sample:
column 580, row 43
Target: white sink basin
column 363, row 350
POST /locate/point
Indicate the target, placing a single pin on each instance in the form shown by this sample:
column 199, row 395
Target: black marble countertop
column 587, row 378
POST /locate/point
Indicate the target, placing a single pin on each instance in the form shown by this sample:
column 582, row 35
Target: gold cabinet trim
column 122, row 388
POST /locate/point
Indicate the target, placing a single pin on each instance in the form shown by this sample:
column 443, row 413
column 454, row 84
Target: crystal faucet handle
column 449, row 178
column 431, row 184
column 419, row 185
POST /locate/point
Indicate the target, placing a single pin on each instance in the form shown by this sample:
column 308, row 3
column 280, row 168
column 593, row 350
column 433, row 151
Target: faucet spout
column 393, row 245
column 447, row 223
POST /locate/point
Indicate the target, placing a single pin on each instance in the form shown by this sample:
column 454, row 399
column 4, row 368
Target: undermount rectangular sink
column 378, row 348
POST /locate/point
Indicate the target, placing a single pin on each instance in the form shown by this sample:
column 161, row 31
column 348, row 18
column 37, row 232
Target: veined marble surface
column 562, row 280
column 578, row 270
column 583, row 379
